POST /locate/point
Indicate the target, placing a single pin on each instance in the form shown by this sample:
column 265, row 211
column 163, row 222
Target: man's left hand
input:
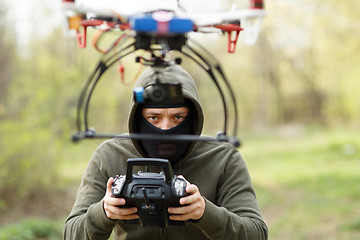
column 194, row 205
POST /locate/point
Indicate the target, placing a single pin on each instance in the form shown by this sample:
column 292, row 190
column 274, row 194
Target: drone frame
column 109, row 58
column 158, row 33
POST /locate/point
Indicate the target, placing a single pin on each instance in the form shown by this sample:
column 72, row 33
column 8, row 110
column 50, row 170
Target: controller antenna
column 147, row 202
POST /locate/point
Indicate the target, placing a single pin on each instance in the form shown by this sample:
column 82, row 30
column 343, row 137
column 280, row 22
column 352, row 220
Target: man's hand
column 194, row 205
column 111, row 206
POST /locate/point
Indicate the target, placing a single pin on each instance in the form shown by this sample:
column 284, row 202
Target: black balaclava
column 171, row 150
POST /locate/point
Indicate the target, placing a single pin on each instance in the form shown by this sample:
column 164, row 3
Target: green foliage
column 38, row 116
column 31, row 229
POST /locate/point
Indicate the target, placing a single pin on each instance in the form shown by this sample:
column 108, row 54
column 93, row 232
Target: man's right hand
column 111, row 206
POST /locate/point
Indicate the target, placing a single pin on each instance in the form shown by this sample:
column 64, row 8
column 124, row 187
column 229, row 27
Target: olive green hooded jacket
column 217, row 169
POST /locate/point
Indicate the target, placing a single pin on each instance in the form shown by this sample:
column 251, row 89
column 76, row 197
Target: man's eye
column 153, row 118
column 179, row 118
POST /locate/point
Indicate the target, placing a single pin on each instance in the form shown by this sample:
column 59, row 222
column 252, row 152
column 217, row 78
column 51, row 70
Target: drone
column 159, row 32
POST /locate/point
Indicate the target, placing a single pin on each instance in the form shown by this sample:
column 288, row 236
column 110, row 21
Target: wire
column 96, row 38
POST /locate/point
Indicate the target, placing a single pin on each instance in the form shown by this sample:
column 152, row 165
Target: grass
column 307, row 183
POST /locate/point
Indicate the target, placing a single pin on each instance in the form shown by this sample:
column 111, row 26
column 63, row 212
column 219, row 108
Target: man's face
column 165, row 118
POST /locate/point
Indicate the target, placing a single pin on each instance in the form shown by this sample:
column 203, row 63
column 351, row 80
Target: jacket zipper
column 163, row 234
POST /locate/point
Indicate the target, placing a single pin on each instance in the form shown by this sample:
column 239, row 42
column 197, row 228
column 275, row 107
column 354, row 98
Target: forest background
column 299, row 108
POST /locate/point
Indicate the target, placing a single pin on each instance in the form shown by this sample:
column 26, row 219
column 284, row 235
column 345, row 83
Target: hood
column 169, row 74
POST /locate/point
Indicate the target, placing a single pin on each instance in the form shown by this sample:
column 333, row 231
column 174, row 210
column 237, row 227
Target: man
column 221, row 202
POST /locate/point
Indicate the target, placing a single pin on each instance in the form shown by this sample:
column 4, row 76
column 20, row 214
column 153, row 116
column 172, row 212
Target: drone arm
column 212, row 76
column 233, row 31
column 83, row 95
column 218, row 67
column 81, row 37
column 103, row 67
column 89, row 86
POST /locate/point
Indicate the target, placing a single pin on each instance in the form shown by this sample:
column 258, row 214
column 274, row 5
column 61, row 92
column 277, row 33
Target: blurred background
column 298, row 93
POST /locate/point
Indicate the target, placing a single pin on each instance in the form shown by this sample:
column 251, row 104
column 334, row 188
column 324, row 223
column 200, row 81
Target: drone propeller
column 82, row 16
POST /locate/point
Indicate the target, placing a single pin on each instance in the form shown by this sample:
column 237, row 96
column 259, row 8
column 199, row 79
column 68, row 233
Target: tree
column 7, row 49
